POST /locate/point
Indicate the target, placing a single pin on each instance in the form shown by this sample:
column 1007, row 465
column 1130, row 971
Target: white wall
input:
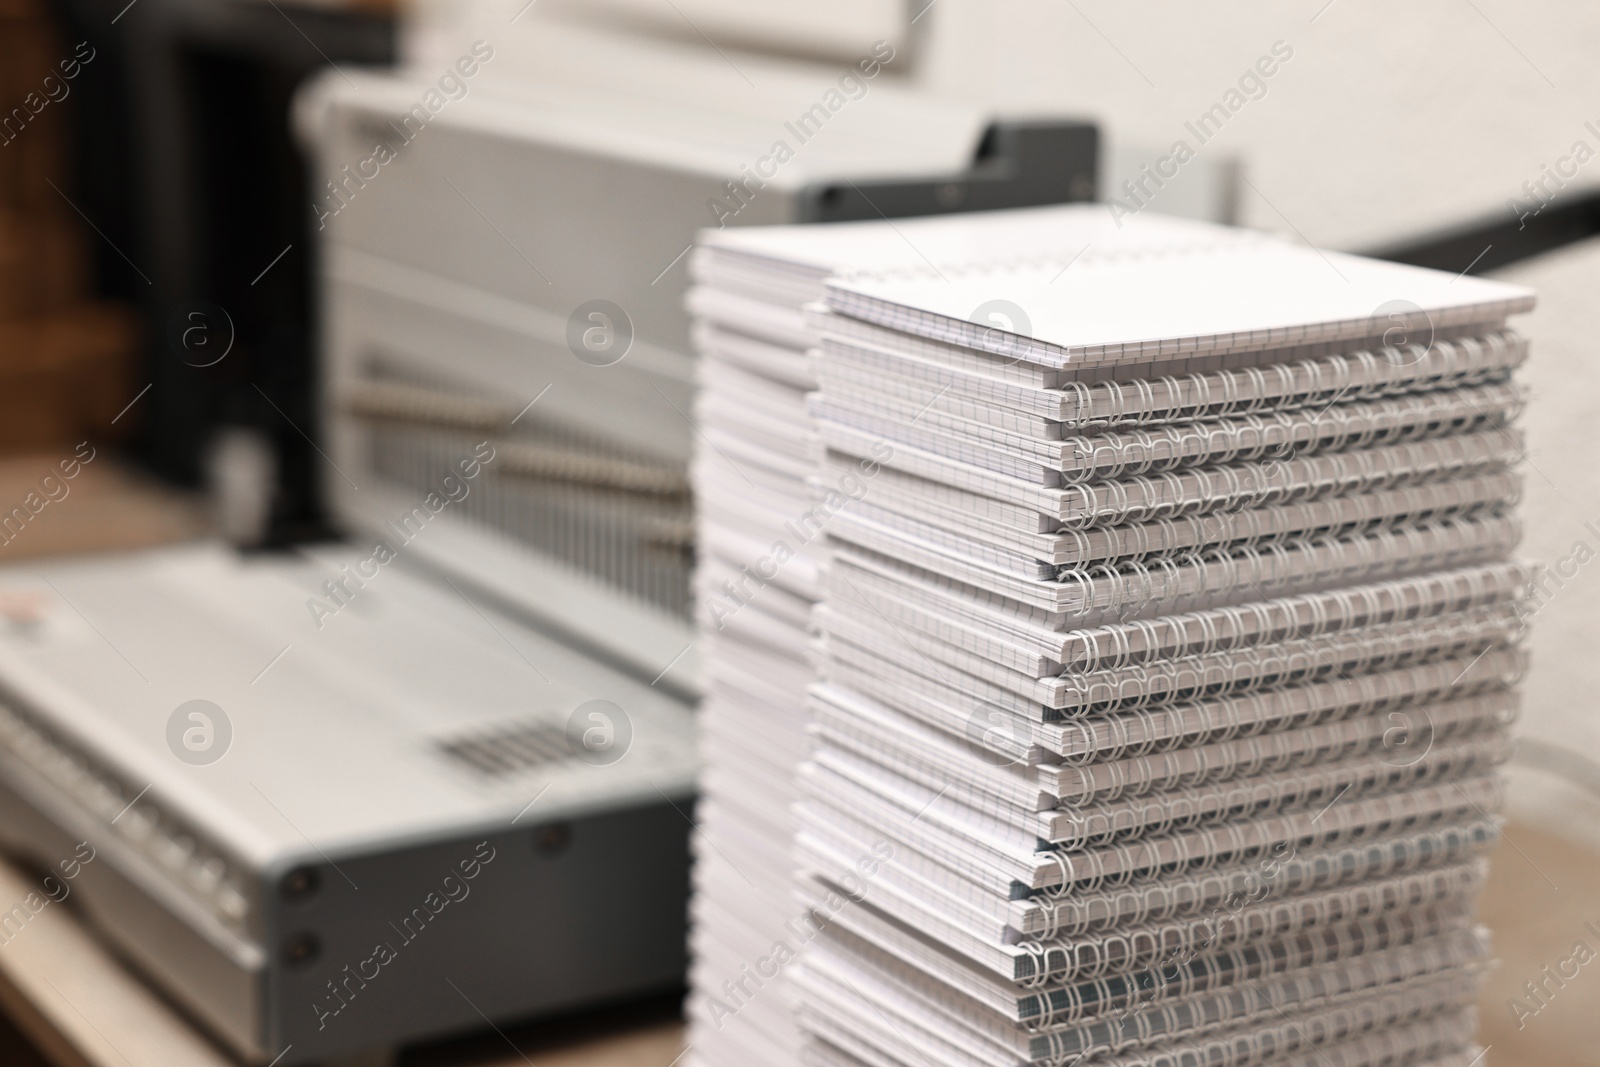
column 1561, row 508
column 1390, row 120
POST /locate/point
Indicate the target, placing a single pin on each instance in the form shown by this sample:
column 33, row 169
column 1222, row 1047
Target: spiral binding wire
column 1206, row 847
column 1341, row 1020
column 1141, row 731
column 1040, row 643
column 1184, row 786
column 936, row 685
column 858, row 639
column 1313, row 382
column 1281, row 434
column 1472, row 496
column 1418, row 903
column 1115, row 452
column 1434, row 1040
column 1276, row 722
column 1135, row 586
column 1457, row 850
column 1420, row 970
column 1266, row 666
column 1443, row 742
column 1403, row 1044
column 1306, row 786
column 1360, row 375
column 1328, row 986
column 1270, row 753
column 1074, row 1003
column 1128, row 452
column 1235, row 487
column 1188, row 975
column 1400, row 602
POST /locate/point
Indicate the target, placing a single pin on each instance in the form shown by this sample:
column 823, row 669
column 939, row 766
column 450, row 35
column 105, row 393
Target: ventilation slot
column 510, row 750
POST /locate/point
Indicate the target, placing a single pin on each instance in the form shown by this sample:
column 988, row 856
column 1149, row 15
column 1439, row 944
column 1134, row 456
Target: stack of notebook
column 1164, row 642
column 761, row 541
column 753, row 455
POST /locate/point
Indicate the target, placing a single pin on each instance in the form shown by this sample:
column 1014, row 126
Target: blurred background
column 224, row 264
